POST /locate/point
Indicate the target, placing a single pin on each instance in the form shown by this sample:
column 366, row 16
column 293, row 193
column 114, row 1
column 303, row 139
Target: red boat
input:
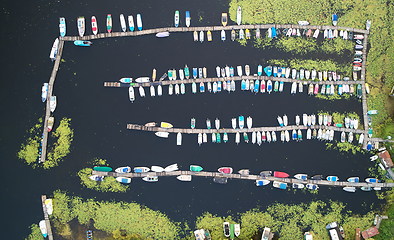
column 281, row 174
column 226, row 170
column 316, row 89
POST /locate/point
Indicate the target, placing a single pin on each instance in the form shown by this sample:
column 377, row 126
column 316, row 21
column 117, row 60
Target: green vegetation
column 109, row 184
column 35, row 233
column 61, row 148
column 130, row 218
column 29, row 150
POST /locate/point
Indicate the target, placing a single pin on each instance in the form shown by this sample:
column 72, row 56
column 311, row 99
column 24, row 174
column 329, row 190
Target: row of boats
column 228, row 170
column 49, row 208
column 82, row 26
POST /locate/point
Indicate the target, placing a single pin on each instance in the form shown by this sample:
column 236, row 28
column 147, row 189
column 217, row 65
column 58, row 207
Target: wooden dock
column 231, row 130
column 206, row 28
column 50, row 90
column 244, row 177
column 46, row 217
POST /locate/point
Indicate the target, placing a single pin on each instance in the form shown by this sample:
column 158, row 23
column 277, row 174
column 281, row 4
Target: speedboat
column 280, row 121
column 312, row 186
column 142, row 91
column 162, row 134
column 285, row 120
column 224, row 19
column 239, row 71
column 225, row 170
column 82, row 43
column 262, row 182
column 279, row 185
column 123, row 179
column 52, row 103
column 237, row 138
column 202, row 88
column 131, row 22
column 184, row 178
column 301, row 176
column 332, row 178
column 372, row 180
column 217, row 123
column 225, row 137
column 204, row 138
column 249, row 122
column 126, row 169
column 139, row 22
column 269, row 86
column 305, row 119
column 241, row 34
column 44, row 92
column 188, row 19
column 317, row 177
column 241, row 122
column 43, row 228
column 239, row 15
column 237, row 229
column 96, row 178
column 62, row 26
column 234, row 123
column 223, row 35
column 141, row 169
column 287, row 136
column 334, row 19
column 226, row 229
column 258, row 33
column 293, row 88
column 81, row 26
column 209, row 36
column 150, row 179
column 298, row 185
column 297, row 120
column 171, row 168
column 54, row 49
column 268, row 70
column 122, row 22
column 109, row 23
column 176, row 18
column 353, row 179
column 247, row 70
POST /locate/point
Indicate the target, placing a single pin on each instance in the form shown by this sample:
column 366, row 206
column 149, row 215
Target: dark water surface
column 99, row 115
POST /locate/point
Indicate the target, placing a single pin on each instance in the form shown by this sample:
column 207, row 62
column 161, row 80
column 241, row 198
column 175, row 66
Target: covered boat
column 225, row 170
column 279, row 185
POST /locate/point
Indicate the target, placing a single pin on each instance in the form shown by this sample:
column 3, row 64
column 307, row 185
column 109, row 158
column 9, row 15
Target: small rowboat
column 281, row 174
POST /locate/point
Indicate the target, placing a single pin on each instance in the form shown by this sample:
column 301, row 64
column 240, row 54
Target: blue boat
column 294, row 135
column 372, row 112
column 187, row 19
column 268, row 70
column 219, row 86
column 256, row 86
column 259, row 70
column 334, row 19
column 194, row 73
column 369, row 146
column 279, row 185
column 283, row 72
column 332, row 178
column 82, row 43
column 353, row 179
column 89, row 234
column 340, row 90
column 241, row 121
column 275, row 71
column 243, row 84
column 273, row 32
column 269, row 86
column 231, row 72
column 372, row 180
column 312, row 186
column 202, row 88
column 228, row 85
column 279, row 71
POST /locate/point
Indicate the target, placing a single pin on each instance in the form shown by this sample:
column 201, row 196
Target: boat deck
column 244, row 177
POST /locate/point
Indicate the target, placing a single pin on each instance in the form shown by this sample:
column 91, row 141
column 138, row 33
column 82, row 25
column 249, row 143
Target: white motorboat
column 162, row 134
column 152, row 91
column 249, row 122
column 179, row 139
column 142, row 91
column 184, row 178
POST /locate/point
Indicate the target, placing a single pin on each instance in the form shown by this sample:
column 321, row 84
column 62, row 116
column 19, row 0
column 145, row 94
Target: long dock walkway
column 47, row 222
column 245, row 177
column 207, row 28
column 235, row 78
column 50, row 90
column 231, row 130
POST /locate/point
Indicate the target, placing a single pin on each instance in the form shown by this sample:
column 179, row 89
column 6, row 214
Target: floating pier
column 235, row 78
column 244, row 177
column 48, row 111
column 232, row 130
column 207, row 28
column 46, row 217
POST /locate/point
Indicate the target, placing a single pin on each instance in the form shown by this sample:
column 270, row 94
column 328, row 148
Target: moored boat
column 162, row 134
column 372, row 180
column 102, row 168
column 224, row 19
column 52, row 103
column 49, row 206
column 43, row 228
column 96, row 178
column 349, row 189
column 166, row 125
column 62, row 26
column 82, row 43
column 123, row 179
column 139, row 22
column 151, row 178
column 126, row 169
column 141, row 169
column 281, row 174
column 188, row 19
column 279, row 185
column 332, row 178
column 301, row 176
column 81, row 26
column 162, row 34
column 225, row 170
column 44, row 92
column 131, row 22
column 176, row 18
column 179, row 139
column 353, row 179
column 122, row 22
column 109, row 23
column 226, row 229
column 195, row 168
column 312, row 186
column 184, row 178
column 53, row 53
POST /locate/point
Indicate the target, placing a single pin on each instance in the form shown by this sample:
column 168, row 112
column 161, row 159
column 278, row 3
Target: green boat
column 195, row 168
column 102, row 169
column 170, row 74
column 328, row 90
column 207, row 234
column 186, row 72
column 232, row 231
column 217, row 137
column 276, row 86
column 359, row 91
column 246, row 137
